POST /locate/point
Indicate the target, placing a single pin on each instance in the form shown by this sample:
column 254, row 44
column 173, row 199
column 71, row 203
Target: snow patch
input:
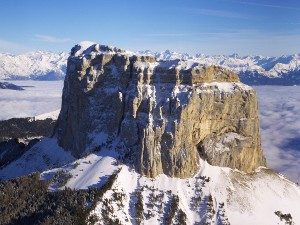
column 84, row 45
column 51, row 115
column 228, row 87
column 42, row 156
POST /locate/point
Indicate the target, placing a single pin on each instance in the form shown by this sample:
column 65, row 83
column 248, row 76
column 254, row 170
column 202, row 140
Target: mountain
column 253, row 70
column 6, row 85
column 155, row 109
column 37, row 65
column 144, row 141
column 165, row 55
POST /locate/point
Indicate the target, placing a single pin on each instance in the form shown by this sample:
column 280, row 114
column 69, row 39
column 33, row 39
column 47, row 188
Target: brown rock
column 166, row 114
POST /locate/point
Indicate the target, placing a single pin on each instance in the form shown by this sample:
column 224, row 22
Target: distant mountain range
column 37, row 65
column 253, row 70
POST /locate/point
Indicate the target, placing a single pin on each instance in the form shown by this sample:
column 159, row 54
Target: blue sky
column 260, row 27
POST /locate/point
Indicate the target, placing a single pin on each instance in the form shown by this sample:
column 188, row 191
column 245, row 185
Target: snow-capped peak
column 38, row 65
column 252, row 69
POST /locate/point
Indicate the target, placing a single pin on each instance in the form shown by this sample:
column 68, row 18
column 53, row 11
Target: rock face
column 166, row 114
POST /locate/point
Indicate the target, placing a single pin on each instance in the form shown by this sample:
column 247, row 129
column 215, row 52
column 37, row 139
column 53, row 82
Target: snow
column 51, row 66
column 51, row 115
column 42, row 156
column 97, row 138
column 143, row 65
column 251, row 198
column 182, row 93
column 90, row 171
column 164, row 55
column 38, row 65
column 229, row 137
column 83, row 46
column 265, row 66
column 86, row 49
column 223, row 87
column 228, row 87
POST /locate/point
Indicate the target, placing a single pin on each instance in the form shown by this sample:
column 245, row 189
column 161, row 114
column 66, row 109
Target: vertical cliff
column 165, row 114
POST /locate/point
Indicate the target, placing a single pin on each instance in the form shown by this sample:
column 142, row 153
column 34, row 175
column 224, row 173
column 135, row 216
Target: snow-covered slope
column 214, row 195
column 51, row 115
column 44, row 155
column 37, row 65
column 253, row 70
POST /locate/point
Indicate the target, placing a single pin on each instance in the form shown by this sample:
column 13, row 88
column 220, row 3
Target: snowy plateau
column 213, row 195
column 252, row 70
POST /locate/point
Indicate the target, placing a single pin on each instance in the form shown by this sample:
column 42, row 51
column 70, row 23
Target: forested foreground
column 27, row 200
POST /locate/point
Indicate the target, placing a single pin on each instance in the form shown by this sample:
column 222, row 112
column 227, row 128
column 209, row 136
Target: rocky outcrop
column 167, row 114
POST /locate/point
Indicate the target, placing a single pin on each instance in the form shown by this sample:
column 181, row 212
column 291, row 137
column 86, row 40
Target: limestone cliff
column 166, row 114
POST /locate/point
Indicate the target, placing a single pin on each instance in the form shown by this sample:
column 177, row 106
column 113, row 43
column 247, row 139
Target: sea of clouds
column 279, row 113
column 38, row 97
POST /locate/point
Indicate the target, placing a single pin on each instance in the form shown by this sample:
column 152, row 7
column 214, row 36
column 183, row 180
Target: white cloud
column 51, row 39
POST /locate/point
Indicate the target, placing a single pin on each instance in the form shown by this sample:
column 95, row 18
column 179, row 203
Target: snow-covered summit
column 91, row 48
column 165, row 55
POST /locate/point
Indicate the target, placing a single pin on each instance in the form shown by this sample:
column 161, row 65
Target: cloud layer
column 43, row 97
column 279, row 108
